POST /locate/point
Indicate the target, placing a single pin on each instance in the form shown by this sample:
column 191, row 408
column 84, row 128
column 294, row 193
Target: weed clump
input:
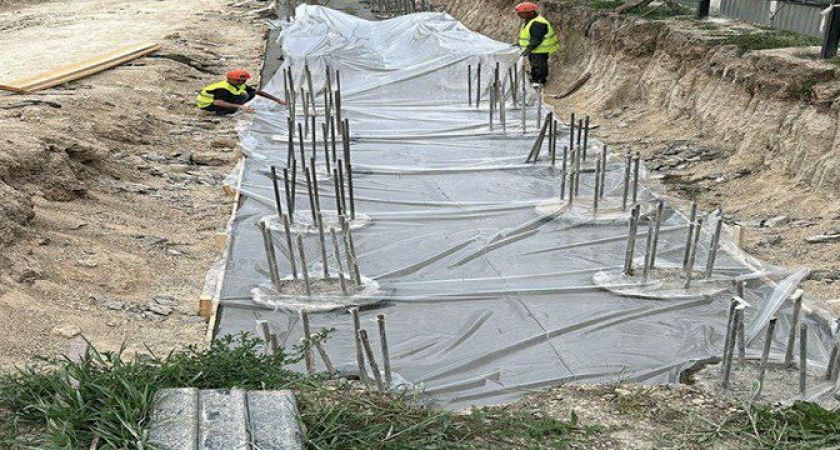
column 62, row 404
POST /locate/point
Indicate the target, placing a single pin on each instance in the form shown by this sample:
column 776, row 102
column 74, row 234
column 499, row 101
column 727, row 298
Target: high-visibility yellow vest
column 550, row 44
column 205, row 98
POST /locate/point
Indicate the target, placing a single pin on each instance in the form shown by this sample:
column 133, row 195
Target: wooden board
column 80, row 69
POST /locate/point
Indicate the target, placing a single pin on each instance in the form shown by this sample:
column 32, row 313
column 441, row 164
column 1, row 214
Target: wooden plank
column 81, row 69
column 212, row 304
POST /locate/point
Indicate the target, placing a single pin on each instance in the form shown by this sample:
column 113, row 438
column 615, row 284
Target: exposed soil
column 753, row 132
column 111, row 184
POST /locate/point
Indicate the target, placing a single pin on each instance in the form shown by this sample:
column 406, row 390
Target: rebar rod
column 603, row 170
column 730, row 323
column 631, row 240
column 727, row 362
column 324, row 357
column 270, row 255
column 348, row 253
column 803, row 358
column 309, row 191
column 311, row 90
column 337, row 254
column 336, row 184
column 765, row 354
column 742, row 341
column 585, row 136
column 597, row 188
column 636, row 164
column 626, row 191
column 524, row 100
column 469, row 84
column 648, row 251
column 290, row 247
column 307, row 339
column 342, row 191
column 537, row 147
column 377, row 376
column 304, row 267
column 713, row 246
column 360, row 359
column 300, row 145
column 692, row 217
column 794, row 322
column 278, row 205
column 692, row 256
column 288, row 189
column 657, row 218
column 265, row 333
column 478, row 85
column 322, row 242
column 571, row 183
column 383, row 343
column 325, row 129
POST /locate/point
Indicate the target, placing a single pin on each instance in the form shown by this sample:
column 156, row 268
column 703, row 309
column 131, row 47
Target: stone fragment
column 66, row 331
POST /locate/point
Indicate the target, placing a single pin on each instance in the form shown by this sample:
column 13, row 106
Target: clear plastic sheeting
column 487, row 277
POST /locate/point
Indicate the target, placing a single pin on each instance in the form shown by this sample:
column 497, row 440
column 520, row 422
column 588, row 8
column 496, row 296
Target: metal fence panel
column 803, row 19
column 755, row 11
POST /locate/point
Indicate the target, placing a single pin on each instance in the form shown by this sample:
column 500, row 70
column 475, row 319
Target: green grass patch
column 768, row 40
column 604, row 4
column 59, row 404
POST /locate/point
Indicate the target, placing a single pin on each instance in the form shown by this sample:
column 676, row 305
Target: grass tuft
column 61, row 404
column 768, row 40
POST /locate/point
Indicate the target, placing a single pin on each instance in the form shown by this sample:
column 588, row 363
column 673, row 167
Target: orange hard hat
column 526, row 7
column 238, row 74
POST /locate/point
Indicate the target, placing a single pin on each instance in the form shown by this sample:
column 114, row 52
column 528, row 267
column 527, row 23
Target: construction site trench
column 495, row 279
column 509, row 261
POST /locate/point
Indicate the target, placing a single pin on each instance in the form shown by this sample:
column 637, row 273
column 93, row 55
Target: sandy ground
column 112, row 183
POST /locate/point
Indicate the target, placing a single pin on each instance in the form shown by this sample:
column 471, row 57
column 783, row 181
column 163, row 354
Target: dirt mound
column 110, row 201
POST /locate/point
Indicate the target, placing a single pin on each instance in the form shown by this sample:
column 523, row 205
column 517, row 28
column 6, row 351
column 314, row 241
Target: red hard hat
column 238, row 74
column 526, row 7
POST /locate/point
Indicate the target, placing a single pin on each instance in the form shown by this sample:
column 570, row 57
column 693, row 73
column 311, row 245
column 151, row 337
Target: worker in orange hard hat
column 537, row 40
column 231, row 95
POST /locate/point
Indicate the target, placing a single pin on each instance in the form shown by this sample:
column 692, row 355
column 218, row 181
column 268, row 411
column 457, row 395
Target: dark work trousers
column 539, row 67
column 220, row 110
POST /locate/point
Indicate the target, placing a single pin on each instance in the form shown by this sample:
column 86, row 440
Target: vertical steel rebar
column 304, row 267
column 692, row 217
column 636, row 164
column 337, row 254
column 803, row 358
column 386, row 354
column 713, row 246
column 360, row 359
column 290, row 247
column 278, row 205
column 270, row 255
column 307, row 339
column 692, row 256
column 631, row 240
column 377, row 376
column 626, row 192
column 585, row 136
column 657, row 218
column 794, row 323
column 765, row 354
column 597, row 189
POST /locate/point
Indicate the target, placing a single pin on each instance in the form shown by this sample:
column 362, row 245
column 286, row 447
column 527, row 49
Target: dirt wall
column 768, row 107
column 753, row 132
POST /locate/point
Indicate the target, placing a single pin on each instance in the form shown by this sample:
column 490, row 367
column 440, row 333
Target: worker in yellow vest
column 231, row 95
column 537, row 40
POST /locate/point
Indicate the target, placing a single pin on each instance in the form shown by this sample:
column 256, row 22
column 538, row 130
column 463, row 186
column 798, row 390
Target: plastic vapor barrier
column 491, row 284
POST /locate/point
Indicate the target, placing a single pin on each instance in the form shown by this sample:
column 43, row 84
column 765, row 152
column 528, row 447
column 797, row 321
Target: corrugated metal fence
column 799, row 17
